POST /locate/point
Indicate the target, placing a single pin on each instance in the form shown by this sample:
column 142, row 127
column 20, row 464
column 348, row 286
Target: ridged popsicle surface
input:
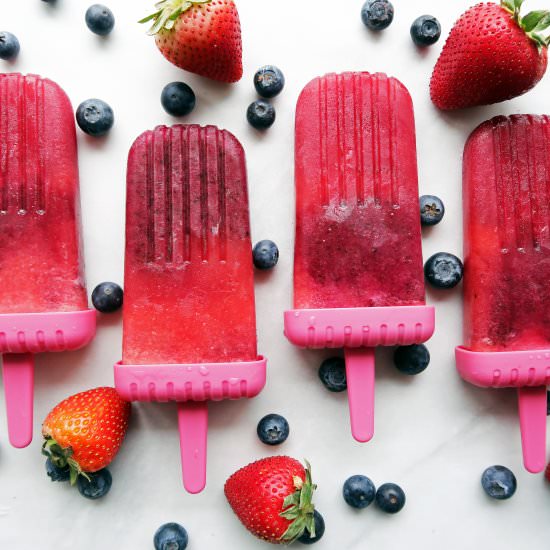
column 189, row 294
column 506, row 193
column 358, row 241
column 41, row 265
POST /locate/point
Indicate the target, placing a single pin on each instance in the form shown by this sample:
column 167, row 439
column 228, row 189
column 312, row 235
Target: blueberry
column 95, row 117
column 390, row 498
column 107, row 297
column 9, row 45
column 269, row 81
column 100, row 19
column 332, row 373
column 265, row 255
column 55, row 473
column 178, row 99
column 425, row 30
column 273, row 429
column 412, row 359
column 261, row 114
column 443, row 270
column 98, row 486
column 377, row 14
column 306, row 538
column 359, row 491
column 432, row 210
column 171, row 536
column 499, row 482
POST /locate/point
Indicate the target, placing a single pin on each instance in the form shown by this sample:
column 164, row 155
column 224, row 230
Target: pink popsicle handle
column 360, row 379
column 532, row 418
column 193, row 427
column 18, row 375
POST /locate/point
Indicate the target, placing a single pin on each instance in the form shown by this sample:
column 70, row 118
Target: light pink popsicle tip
column 18, row 376
column 532, row 417
column 360, row 380
column 193, row 428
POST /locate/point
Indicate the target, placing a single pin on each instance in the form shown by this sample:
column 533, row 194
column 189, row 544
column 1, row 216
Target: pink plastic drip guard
column 21, row 336
column 359, row 331
column 529, row 371
column 191, row 386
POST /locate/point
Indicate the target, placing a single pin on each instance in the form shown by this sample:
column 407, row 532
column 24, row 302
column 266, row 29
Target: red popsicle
column 358, row 276
column 189, row 313
column 43, row 298
column 507, row 267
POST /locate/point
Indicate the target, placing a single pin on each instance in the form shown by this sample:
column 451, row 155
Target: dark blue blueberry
column 9, row 45
column 499, row 482
column 107, row 297
column 443, row 270
column 359, row 491
column 432, row 210
column 390, row 498
column 100, row 19
column 269, row 81
column 95, row 117
column 171, row 536
column 306, row 538
column 273, row 429
column 98, row 486
column 55, row 473
column 332, row 373
column 411, row 359
column 178, row 99
column 265, row 255
column 261, row 114
column 425, row 30
column 377, row 14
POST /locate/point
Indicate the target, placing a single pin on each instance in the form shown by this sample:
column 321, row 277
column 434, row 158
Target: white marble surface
column 434, row 433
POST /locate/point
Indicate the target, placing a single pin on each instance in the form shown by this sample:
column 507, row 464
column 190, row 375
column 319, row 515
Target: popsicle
column 506, row 194
column 189, row 327
column 358, row 274
column 43, row 298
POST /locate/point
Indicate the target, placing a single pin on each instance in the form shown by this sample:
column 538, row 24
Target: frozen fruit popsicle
column 189, row 313
column 358, row 275
column 506, row 195
column 43, row 299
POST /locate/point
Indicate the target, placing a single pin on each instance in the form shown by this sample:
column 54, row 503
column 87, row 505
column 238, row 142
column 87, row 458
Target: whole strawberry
column 200, row 36
column 492, row 54
column 272, row 498
column 85, row 431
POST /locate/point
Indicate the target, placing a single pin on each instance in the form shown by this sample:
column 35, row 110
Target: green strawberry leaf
column 168, row 12
column 543, row 24
column 298, row 508
column 532, row 19
column 291, row 500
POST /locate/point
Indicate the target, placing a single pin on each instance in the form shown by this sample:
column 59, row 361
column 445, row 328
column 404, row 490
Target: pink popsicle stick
column 193, row 427
column 532, row 419
column 18, row 375
column 360, row 379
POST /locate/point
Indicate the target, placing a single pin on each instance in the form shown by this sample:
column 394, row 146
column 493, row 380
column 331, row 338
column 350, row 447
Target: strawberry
column 85, row 431
column 272, row 498
column 492, row 54
column 201, row 36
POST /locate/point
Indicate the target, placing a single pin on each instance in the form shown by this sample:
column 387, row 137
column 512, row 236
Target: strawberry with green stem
column 84, row 432
column 492, row 54
column 272, row 498
column 200, row 36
